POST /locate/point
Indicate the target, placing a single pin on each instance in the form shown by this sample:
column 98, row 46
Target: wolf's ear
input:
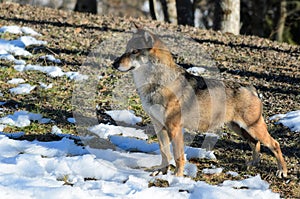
column 135, row 27
column 149, row 39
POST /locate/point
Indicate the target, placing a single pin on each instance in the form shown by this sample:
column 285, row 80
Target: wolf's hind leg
column 254, row 144
column 260, row 131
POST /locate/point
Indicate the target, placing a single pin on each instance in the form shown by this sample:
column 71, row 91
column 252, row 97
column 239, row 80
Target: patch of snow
column 28, row 41
column 76, row 76
column 232, row 173
column 41, row 170
column 19, row 30
column 45, row 86
column 13, row 135
column 17, row 47
column 105, row 130
column 196, row 70
column 51, row 58
column 45, row 121
column 22, row 89
column 9, row 57
column 11, row 29
column 290, row 119
column 52, row 71
column 124, row 116
column 71, row 120
column 16, row 81
column 19, row 67
column 212, row 171
column 190, row 170
column 21, row 118
column 199, row 153
column 29, row 31
column 227, row 191
column 131, row 144
column 2, row 127
column 251, row 183
column 56, row 130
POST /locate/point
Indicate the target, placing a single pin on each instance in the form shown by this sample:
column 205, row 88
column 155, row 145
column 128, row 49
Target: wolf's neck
column 157, row 73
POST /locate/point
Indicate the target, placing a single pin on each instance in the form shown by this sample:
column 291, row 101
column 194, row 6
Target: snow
column 212, row 171
column 290, row 119
column 19, row 30
column 105, row 130
column 71, row 120
column 16, row 81
column 2, row 127
column 9, row 49
column 51, row 58
column 45, row 86
column 27, row 41
column 196, row 70
column 47, row 169
column 52, row 71
column 232, row 173
column 76, row 76
column 23, row 119
column 124, row 116
column 22, row 89
column 56, row 130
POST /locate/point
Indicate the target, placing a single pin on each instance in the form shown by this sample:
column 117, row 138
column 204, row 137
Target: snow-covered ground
column 290, row 119
column 63, row 169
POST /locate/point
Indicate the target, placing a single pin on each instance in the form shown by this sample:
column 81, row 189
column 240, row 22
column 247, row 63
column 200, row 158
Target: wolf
column 176, row 99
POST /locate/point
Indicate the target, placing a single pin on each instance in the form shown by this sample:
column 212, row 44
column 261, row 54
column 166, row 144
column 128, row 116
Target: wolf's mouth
column 131, row 68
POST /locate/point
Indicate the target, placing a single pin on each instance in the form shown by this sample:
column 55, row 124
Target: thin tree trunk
column 169, row 9
column 227, row 16
column 281, row 21
column 152, row 9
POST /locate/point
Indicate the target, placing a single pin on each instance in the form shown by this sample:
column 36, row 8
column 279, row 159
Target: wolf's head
column 141, row 48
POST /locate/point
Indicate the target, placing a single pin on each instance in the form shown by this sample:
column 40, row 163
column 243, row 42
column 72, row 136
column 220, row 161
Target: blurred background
column 274, row 19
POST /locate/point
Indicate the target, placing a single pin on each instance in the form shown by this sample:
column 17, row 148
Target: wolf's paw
column 281, row 173
column 158, row 170
column 252, row 163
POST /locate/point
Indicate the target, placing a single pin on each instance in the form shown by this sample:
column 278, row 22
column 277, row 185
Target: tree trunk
column 152, row 7
column 185, row 10
column 281, row 21
column 169, row 10
column 158, row 10
column 227, row 16
column 259, row 10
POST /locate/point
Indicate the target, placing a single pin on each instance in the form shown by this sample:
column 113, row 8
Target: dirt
column 272, row 67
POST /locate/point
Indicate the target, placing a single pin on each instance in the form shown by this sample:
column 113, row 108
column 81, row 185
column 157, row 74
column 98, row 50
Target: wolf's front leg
column 178, row 150
column 164, row 145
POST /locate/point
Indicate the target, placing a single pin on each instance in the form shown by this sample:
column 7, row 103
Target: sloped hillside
column 273, row 68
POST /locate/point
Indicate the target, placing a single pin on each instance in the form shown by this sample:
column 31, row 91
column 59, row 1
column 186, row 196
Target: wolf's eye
column 135, row 51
